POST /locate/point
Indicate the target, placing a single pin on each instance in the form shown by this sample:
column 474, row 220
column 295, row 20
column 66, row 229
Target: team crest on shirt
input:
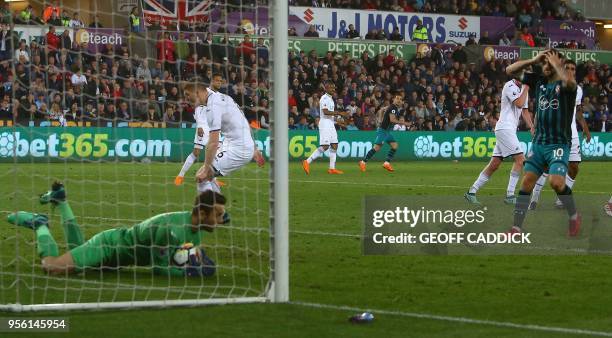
column 557, row 89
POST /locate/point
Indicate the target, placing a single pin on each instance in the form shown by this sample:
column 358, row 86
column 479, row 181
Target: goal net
column 93, row 96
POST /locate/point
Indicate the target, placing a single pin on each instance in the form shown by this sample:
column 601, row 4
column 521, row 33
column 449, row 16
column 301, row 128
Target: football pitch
column 330, row 279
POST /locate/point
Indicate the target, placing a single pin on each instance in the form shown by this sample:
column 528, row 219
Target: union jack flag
column 175, row 12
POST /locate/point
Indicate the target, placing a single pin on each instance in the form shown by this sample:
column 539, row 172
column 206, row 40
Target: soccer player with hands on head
column 574, row 157
column 555, row 97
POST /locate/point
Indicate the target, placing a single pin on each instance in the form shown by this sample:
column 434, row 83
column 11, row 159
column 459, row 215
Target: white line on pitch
column 365, row 183
column 464, row 320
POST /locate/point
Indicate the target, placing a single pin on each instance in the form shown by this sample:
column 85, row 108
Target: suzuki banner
column 53, row 144
column 332, row 23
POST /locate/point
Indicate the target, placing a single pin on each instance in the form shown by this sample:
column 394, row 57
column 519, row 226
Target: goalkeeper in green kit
column 151, row 243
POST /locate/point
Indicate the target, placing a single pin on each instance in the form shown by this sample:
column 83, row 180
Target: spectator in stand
column 459, row 55
column 540, row 38
column 484, row 39
column 420, row 33
column 6, row 17
column 78, row 79
column 170, row 114
column 65, row 40
column 245, row 48
column 123, row 113
column 96, row 23
column 53, row 41
column 49, row 10
column 165, row 52
column 292, row 31
column 26, row 16
column 75, row 22
column 562, row 10
column 471, row 41
column 527, row 37
column 371, row 35
column 312, row 32
column 22, row 52
column 65, row 19
column 182, row 53
column 6, row 43
column 262, row 51
column 352, row 33
column 395, row 35
column 134, row 20
column 505, row 41
column 524, row 19
column 582, row 45
column 54, row 20
column 572, row 45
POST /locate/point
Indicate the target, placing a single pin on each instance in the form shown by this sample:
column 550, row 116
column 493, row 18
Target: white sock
column 514, row 178
column 537, row 190
column 209, row 185
column 332, row 159
column 316, row 154
column 188, row 163
column 569, row 181
column 480, row 181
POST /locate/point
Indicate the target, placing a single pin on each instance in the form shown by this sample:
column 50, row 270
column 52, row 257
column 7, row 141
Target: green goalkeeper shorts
column 98, row 251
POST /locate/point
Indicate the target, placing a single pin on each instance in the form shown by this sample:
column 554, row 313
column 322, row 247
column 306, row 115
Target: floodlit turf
column 326, row 264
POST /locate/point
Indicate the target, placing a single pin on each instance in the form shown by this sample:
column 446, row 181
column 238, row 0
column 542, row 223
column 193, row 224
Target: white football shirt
column 224, row 115
column 510, row 113
column 199, row 115
column 578, row 102
column 326, row 121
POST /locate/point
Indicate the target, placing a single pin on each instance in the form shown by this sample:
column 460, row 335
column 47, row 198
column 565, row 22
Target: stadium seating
column 442, row 90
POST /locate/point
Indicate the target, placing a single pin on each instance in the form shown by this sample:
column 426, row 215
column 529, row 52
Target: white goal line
column 531, row 327
column 402, row 185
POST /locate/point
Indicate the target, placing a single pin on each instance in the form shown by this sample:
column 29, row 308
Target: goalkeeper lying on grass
column 152, row 242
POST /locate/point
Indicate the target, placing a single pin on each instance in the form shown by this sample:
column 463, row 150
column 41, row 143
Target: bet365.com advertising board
column 39, row 144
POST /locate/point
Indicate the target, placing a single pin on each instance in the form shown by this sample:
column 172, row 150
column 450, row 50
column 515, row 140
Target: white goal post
column 245, row 282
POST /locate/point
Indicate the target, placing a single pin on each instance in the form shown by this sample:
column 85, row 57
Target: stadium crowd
column 60, row 81
column 56, row 79
column 442, row 92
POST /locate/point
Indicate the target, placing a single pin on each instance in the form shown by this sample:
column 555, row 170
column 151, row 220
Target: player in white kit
column 199, row 142
column 514, row 103
column 328, row 137
column 223, row 116
column 574, row 157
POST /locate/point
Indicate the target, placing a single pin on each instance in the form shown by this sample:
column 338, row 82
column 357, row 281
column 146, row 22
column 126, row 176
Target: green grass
column 326, row 267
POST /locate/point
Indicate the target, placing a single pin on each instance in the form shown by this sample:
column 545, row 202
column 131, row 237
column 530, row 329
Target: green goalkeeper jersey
column 149, row 243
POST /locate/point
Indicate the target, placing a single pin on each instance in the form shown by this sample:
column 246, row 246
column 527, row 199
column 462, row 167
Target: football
column 187, row 253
